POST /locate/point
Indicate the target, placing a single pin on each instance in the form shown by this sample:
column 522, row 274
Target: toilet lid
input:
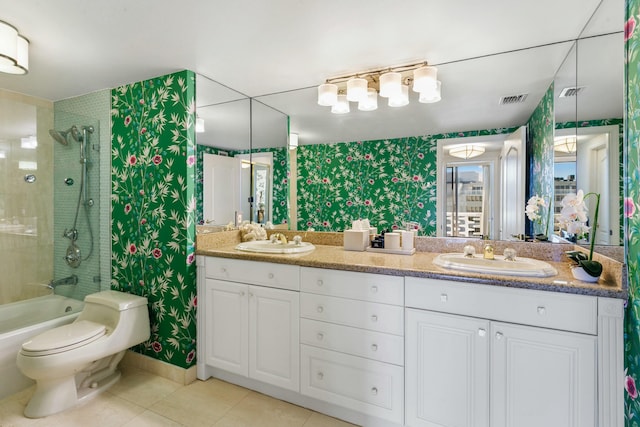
column 64, row 338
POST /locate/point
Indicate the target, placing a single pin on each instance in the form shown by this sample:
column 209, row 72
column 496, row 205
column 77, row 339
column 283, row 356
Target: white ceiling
column 263, row 47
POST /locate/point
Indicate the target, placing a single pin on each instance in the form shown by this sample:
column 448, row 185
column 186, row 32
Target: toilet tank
column 110, row 307
column 116, row 300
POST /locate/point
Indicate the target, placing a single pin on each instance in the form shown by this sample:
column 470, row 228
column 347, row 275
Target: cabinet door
column 227, row 326
column 447, row 380
column 542, row 377
column 274, row 336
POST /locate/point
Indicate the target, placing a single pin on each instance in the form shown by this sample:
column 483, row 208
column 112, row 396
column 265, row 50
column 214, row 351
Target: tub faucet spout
column 71, row 280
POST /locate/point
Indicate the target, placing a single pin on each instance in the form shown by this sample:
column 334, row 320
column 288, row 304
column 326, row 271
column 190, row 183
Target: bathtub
column 22, row 320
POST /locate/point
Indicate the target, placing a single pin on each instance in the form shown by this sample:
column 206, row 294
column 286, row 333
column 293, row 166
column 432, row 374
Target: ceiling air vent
column 568, row 92
column 513, row 99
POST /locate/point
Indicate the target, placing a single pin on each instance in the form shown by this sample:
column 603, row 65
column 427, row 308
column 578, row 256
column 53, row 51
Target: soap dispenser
column 488, row 249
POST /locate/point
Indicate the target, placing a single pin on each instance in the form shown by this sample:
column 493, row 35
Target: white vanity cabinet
column 251, row 321
column 352, row 341
column 491, row 356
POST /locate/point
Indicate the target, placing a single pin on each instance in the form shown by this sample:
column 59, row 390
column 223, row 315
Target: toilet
column 74, row 362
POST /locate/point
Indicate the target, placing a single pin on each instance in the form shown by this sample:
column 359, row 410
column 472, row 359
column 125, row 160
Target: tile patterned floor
column 141, row 399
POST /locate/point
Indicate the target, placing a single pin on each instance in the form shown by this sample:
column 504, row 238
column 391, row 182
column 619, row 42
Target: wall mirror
column 471, row 93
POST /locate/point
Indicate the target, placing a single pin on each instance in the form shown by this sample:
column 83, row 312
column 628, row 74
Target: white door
column 447, row 370
column 227, row 327
column 542, row 377
column 274, row 336
column 512, row 183
column 220, row 189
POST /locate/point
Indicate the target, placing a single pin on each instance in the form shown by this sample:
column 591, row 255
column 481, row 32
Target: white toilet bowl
column 76, row 361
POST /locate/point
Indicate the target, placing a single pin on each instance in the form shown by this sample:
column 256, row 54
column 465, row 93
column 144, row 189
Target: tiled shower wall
column 26, row 209
column 91, row 109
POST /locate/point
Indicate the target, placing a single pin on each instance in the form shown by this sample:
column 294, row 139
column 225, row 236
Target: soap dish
column 392, row 251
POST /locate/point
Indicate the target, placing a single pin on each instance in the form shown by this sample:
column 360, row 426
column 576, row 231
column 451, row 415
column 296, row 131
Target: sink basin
column 526, row 267
column 267, row 247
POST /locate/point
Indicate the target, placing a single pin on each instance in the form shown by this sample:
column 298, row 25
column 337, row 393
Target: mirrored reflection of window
column 467, row 200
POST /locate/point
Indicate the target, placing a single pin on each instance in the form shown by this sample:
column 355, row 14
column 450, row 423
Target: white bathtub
column 22, row 320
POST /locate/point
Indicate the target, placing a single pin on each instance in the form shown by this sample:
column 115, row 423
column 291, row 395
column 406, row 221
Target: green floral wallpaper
column 540, row 152
column 153, row 208
column 389, row 182
column 280, row 180
column 632, row 213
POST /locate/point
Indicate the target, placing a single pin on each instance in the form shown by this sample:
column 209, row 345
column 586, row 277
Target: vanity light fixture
column 14, row 50
column 466, row 151
column 566, row 145
column 199, row 125
column 390, row 82
column 293, row 141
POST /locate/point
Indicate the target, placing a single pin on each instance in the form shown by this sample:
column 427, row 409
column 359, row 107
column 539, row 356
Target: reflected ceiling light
column 29, row 143
column 199, row 125
column 466, row 151
column 293, row 141
column 401, row 99
column 327, row 95
column 356, row 89
column 370, row 103
column 389, row 82
column 14, row 50
column 566, row 145
column 342, row 106
column 432, row 95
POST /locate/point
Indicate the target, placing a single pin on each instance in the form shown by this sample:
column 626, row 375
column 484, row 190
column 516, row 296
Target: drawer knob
column 374, row 390
column 320, row 282
column 320, row 375
column 320, row 309
column 499, row 335
column 271, row 276
column 542, row 310
column 374, row 318
column 374, row 347
column 241, row 293
column 251, row 294
column 444, row 297
column 320, row 336
column 482, row 332
column 374, row 289
column 224, row 270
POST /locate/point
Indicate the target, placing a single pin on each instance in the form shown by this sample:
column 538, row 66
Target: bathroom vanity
column 393, row 340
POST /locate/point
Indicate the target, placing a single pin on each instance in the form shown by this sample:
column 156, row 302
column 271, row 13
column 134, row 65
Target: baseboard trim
column 158, row 367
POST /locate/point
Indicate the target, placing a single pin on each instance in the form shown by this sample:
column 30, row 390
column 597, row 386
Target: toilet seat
column 64, row 338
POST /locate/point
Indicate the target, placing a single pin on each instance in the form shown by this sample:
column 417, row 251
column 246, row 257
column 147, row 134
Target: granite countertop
column 420, row 265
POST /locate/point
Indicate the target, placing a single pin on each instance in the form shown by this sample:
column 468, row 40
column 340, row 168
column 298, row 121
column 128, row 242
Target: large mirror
column 242, row 158
column 384, row 164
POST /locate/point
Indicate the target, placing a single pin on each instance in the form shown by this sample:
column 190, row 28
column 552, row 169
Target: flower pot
column 580, row 274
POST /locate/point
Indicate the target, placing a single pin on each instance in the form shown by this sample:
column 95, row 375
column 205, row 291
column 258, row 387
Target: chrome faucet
column 71, row 280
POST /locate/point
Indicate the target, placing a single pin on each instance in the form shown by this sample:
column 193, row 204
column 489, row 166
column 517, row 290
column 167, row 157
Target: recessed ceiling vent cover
column 513, row 99
column 568, row 92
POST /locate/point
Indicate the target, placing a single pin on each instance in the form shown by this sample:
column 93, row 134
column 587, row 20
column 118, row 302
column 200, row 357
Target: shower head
column 62, row 135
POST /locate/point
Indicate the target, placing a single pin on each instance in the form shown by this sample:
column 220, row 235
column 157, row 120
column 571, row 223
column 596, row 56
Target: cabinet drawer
column 363, row 385
column 355, row 285
column 372, row 345
column 569, row 312
column 254, row 272
column 360, row 314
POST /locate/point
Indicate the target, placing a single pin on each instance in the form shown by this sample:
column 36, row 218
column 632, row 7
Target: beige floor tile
column 104, row 410
column 151, row 419
column 321, row 420
column 142, row 388
column 224, row 392
column 191, row 406
column 264, row 411
column 11, row 414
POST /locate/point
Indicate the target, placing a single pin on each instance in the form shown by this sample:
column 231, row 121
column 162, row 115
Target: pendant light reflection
column 466, row 151
column 566, row 145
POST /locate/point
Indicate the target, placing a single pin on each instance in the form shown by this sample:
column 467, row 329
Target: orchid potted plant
column 573, row 219
column 535, row 210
